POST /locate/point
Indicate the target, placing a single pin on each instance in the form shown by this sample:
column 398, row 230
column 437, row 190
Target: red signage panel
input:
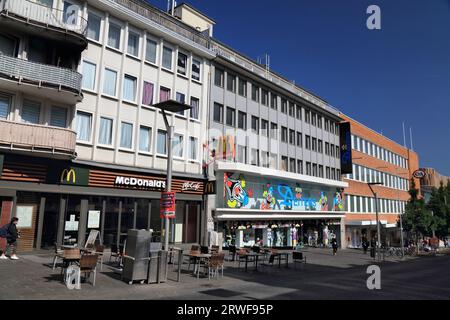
column 167, row 207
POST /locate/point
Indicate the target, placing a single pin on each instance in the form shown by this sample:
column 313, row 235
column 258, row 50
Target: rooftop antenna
column 411, row 138
column 404, row 134
column 171, row 4
column 265, row 60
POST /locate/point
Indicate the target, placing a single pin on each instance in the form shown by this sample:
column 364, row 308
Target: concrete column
column 61, row 221
column 343, row 238
column 264, row 239
column 40, row 223
column 83, row 222
column 239, row 238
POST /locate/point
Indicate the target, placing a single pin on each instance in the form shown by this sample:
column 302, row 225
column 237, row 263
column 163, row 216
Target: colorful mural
column 252, row 194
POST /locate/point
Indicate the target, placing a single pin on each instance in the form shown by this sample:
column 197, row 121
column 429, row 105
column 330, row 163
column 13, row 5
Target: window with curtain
column 93, row 27
column 145, row 138
column 193, row 145
column 126, row 135
column 58, row 117
column 109, row 83
column 5, row 101
column 218, row 77
column 218, row 113
column 150, row 51
column 129, row 88
column 31, row 111
column 195, row 105
column 105, row 133
column 164, row 94
column 147, row 94
column 196, row 69
column 167, row 58
column 181, row 97
column 70, row 13
column 47, row 3
column 114, row 36
column 84, row 122
column 161, row 142
column 178, row 145
column 133, row 44
column 89, row 70
column 182, row 63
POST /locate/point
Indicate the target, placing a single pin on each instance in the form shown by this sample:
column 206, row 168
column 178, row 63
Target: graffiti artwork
column 252, row 194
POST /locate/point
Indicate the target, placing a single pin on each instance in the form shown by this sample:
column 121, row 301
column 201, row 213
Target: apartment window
column 332, row 127
column 265, row 159
column 126, row 135
column 254, row 154
column 283, row 105
column 242, row 87
column 195, row 106
column 109, row 83
column 182, row 63
column 231, row 117
column 314, row 171
column 300, row 166
column 308, row 142
column 93, row 27
column 255, row 124
column 164, row 94
column 242, row 154
column 105, row 133
column 265, row 127
column 58, row 117
column 313, row 119
column 5, row 102
column 255, row 93
column 284, row 134
column 31, row 111
column 242, row 120
column 196, row 67
column 320, row 171
column 193, row 146
column 299, row 140
column 167, row 58
column 291, row 109
column 84, row 125
column 129, row 88
column 145, row 138
column 308, row 168
column 327, row 148
column 150, row 51
column 292, row 165
column 284, row 163
column 298, row 112
column 70, row 12
column 133, row 44
column 161, row 142
column 147, row 93
column 218, row 113
column 178, row 145
column 320, row 146
column 273, row 130
column 327, row 125
column 337, row 152
column 314, row 144
column 273, row 101
column 218, row 77
column 89, row 71
column 264, row 97
column 292, row 137
column 181, row 98
column 114, row 36
column 273, row 161
column 332, row 150
column 327, row 173
column 319, row 121
column 333, row 174
column 307, row 116
column 231, row 82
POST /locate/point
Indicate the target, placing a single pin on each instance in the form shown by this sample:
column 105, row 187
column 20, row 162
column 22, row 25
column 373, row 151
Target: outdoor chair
column 215, row 263
column 241, row 256
column 298, row 257
column 232, row 253
column 215, row 249
column 59, row 254
column 193, row 260
column 88, row 265
column 204, row 250
column 70, row 256
column 99, row 249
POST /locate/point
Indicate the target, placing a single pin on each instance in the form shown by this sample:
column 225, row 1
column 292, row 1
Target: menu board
column 93, row 219
column 25, row 215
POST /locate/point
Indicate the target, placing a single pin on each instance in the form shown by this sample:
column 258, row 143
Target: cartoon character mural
column 323, row 201
column 338, row 204
column 269, row 201
column 236, row 195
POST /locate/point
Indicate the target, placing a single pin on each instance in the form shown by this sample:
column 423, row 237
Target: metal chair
column 88, row 265
column 59, row 254
column 215, row 263
column 99, row 249
column 298, row 257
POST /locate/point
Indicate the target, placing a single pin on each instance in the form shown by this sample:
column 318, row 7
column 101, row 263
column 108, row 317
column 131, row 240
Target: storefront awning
column 241, row 214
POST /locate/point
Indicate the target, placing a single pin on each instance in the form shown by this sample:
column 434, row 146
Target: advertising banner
column 167, row 208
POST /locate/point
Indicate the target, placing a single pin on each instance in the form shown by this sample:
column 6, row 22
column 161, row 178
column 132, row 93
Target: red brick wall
column 5, row 218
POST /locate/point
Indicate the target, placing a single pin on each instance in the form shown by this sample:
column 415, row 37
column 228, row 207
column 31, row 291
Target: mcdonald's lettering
column 68, row 176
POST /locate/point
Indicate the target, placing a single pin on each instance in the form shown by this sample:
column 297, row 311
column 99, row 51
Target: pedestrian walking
column 365, row 244
column 11, row 234
column 334, row 244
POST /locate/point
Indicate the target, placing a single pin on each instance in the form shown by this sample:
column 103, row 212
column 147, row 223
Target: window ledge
column 114, row 49
column 89, row 91
column 133, row 57
column 130, row 102
column 107, row 96
column 126, row 150
column 167, row 70
column 85, row 143
column 105, row 146
column 152, row 64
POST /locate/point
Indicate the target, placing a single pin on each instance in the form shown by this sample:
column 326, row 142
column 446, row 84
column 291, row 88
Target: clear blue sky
column 378, row 77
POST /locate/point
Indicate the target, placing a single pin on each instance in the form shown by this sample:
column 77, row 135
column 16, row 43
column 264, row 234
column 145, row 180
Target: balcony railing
column 41, row 74
column 70, row 20
column 245, row 63
column 37, row 138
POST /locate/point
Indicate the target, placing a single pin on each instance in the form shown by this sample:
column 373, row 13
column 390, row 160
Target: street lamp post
column 370, row 184
column 172, row 106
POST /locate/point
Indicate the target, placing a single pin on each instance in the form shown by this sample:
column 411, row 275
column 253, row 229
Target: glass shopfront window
column 111, row 221
column 72, row 219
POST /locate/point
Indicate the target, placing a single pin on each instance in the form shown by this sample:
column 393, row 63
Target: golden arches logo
column 68, row 175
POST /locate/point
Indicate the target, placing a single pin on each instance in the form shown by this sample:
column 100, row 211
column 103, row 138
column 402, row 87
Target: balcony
column 37, row 139
column 34, row 17
column 59, row 84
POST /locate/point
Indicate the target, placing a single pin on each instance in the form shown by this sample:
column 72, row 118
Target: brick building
column 376, row 159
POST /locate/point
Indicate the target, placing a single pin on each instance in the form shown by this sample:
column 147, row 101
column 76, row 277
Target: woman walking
column 12, row 234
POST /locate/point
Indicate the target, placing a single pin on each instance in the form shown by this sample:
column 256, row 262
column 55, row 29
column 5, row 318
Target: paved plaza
column 324, row 276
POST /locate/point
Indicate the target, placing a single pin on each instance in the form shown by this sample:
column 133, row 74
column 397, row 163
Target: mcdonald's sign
column 69, row 175
column 210, row 187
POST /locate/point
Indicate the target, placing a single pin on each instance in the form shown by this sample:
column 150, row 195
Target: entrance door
column 50, row 222
column 192, row 222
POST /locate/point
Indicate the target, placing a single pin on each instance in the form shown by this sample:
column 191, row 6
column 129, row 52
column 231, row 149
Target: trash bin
column 135, row 260
column 372, row 252
column 157, row 266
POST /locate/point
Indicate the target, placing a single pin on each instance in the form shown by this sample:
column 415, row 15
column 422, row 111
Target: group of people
column 10, row 232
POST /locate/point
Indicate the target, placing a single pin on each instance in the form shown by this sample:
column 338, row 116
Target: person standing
column 334, row 244
column 365, row 244
column 11, row 238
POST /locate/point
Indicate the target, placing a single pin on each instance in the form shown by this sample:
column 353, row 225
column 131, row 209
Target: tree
column 440, row 211
column 417, row 220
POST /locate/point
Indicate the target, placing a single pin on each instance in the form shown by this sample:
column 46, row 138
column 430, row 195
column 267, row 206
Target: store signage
column 93, row 219
column 138, row 182
column 2, row 158
column 68, row 175
column 210, row 187
column 167, row 206
column 191, row 186
column 345, row 144
column 419, row 174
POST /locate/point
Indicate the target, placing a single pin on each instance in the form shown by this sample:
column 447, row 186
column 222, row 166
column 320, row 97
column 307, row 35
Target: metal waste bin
column 157, row 267
column 135, row 260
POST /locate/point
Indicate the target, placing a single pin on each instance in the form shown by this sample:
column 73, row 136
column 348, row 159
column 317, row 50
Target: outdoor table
column 255, row 256
column 280, row 254
column 198, row 257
